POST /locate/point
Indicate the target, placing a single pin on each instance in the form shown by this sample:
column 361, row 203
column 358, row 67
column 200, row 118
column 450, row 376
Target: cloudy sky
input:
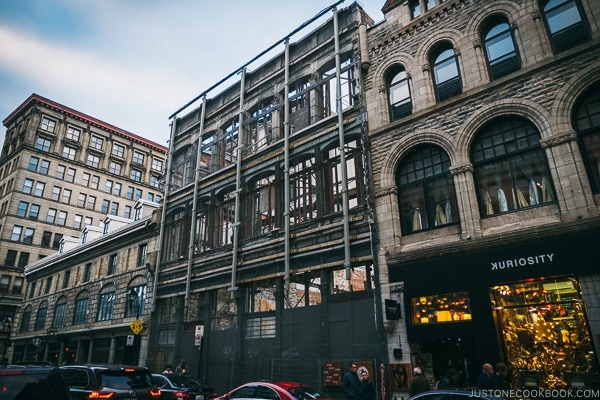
column 133, row 63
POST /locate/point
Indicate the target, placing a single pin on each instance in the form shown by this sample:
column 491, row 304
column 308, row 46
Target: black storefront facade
column 524, row 299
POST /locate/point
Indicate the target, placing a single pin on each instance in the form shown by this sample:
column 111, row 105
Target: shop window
column 261, row 206
column 303, row 191
column 446, row 76
column 399, row 96
column 510, row 167
column 544, row 331
column 500, row 51
column 426, row 191
column 304, row 290
column 441, row 308
column 360, row 279
column 565, row 23
column 586, row 120
column 225, row 310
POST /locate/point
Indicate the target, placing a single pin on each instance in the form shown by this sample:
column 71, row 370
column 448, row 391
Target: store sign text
column 523, row 261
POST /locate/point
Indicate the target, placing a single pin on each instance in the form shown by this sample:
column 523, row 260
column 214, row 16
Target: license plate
column 199, row 397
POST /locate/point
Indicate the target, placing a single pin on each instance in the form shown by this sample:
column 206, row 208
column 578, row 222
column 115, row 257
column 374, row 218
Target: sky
column 133, row 63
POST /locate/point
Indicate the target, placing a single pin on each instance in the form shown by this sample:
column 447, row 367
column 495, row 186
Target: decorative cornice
column 559, row 139
column 462, row 169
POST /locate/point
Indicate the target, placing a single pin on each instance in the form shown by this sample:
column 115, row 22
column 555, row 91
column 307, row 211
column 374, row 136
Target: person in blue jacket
column 351, row 383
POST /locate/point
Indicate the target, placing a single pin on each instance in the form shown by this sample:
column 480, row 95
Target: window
column 225, row 217
column 108, row 186
column 51, row 216
column 62, row 218
column 446, row 76
column 81, row 200
column 85, row 179
column 4, row 283
column 70, row 175
column 112, row 264
column 415, row 8
column 129, row 193
column 43, row 144
column 261, row 296
column 136, row 302
column 73, row 134
column 437, row 308
column 500, row 51
column 39, row 189
column 426, row 194
column 586, row 119
column 40, row 320
column 27, row 186
column 66, row 279
column 105, row 205
column 137, row 214
column 69, row 152
column 114, row 208
column 17, row 287
column 117, row 189
column 225, row 309
column 304, row 191
column 34, row 212
column 28, row 236
column 510, row 167
column 142, row 254
column 16, row 233
column 46, row 238
column 95, row 182
column 11, row 258
column 136, row 175
column 81, row 308
column 261, row 206
column 176, row 237
column 138, row 158
column 66, row 196
column 60, row 171
column 77, row 220
column 93, row 161
column 55, row 195
column 261, row 327
column 25, row 319
column 138, row 194
column 23, row 260
column 361, row 279
column 115, row 168
column 44, row 167
column 305, row 290
column 157, row 164
column 96, row 142
column 328, row 91
column 335, row 181
column 33, row 164
column 57, row 239
column 91, row 204
column 118, row 150
column 22, row 209
column 399, row 95
column 87, row 272
column 127, row 212
column 47, row 124
column 155, row 181
column 106, row 303
column 565, row 23
column 59, row 313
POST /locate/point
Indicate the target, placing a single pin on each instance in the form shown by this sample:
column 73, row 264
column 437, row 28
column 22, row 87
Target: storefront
column 521, row 303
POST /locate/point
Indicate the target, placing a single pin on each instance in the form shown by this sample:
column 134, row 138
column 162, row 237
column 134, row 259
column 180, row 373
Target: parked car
column 32, row 382
column 105, row 381
column 456, row 394
column 273, row 391
column 182, row 387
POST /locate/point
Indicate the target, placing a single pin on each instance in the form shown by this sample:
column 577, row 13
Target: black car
column 117, row 382
column 182, row 387
column 20, row 382
column 457, row 394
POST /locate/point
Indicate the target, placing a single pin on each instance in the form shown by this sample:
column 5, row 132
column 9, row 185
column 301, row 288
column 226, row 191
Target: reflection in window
column 500, row 48
column 262, row 206
column 361, row 278
column 305, row 290
column 587, row 123
column 426, row 192
column 566, row 25
column 446, row 77
column 303, row 191
column 399, row 95
column 544, row 329
column 437, row 308
column 511, row 171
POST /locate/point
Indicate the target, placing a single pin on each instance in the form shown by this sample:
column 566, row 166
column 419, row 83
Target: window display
column 447, row 307
column 545, row 332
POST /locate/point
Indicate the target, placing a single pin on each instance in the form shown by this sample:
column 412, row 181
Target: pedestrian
column 182, row 368
column 483, row 381
column 418, row 383
column 367, row 389
column 450, row 381
column 499, row 379
column 351, row 383
column 168, row 369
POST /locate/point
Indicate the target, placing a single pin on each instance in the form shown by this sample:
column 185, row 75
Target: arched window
column 510, row 167
column 177, row 236
column 59, row 312
column 81, row 307
column 399, row 94
column 261, row 206
column 136, row 297
column 259, row 127
column 425, row 189
column 225, row 217
column 25, row 319
column 40, row 319
column 586, row 120
column 500, row 51
column 203, row 236
column 106, row 303
column 565, row 23
column 333, row 180
column 446, row 75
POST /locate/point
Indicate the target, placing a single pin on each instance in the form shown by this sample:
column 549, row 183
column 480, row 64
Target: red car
column 273, row 391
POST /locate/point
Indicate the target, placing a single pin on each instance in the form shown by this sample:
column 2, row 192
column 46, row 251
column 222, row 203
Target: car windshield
column 305, row 393
column 185, row 382
column 125, row 380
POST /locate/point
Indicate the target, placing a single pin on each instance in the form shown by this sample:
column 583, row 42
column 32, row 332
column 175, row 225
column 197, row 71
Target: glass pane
column 438, row 308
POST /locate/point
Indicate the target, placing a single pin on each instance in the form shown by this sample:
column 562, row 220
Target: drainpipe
column 188, row 282
column 238, row 184
column 338, row 72
column 286, row 168
column 163, row 216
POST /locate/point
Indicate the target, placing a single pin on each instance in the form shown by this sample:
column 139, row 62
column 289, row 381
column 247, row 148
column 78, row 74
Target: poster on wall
column 400, row 373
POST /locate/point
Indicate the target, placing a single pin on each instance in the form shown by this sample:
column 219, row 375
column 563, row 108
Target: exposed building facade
column 484, row 124
column 91, row 301
column 266, row 265
column 62, row 170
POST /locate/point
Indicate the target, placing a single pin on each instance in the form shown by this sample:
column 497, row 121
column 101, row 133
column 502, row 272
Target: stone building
column 62, row 170
column 266, row 268
column 91, row 301
column 484, row 125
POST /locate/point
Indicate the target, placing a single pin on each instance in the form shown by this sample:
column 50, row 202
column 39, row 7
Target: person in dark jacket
column 367, row 389
column 418, row 384
column 499, row 379
column 351, row 383
column 450, row 381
